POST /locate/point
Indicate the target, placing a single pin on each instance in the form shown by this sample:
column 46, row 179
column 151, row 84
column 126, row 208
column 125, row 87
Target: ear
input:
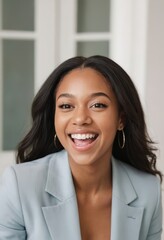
column 122, row 121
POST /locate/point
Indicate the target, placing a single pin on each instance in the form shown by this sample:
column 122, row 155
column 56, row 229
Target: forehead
column 83, row 80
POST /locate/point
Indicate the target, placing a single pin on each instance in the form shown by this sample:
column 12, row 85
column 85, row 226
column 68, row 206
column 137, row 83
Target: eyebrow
column 97, row 94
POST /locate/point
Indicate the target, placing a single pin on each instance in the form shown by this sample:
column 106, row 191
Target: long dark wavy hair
column 139, row 148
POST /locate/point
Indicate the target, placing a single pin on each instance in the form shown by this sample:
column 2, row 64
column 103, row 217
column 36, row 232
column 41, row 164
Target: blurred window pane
column 18, row 89
column 93, row 16
column 90, row 48
column 18, row 15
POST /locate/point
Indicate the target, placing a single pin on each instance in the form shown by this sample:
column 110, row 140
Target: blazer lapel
column 126, row 219
column 62, row 218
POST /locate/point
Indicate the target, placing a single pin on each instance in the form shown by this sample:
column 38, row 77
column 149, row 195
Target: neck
column 92, row 179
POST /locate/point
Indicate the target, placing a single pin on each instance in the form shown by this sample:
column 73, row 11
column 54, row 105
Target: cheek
column 108, row 121
column 57, row 121
column 60, row 122
column 109, row 128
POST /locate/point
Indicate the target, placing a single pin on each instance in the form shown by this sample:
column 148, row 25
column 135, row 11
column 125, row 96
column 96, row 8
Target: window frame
column 44, row 55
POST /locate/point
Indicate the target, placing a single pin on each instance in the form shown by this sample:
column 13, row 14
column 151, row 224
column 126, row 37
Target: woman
column 94, row 176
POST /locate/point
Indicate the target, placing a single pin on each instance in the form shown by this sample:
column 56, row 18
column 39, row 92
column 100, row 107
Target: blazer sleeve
column 11, row 217
column 155, row 229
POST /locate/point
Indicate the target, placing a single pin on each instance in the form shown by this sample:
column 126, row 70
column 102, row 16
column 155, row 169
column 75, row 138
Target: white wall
column 154, row 90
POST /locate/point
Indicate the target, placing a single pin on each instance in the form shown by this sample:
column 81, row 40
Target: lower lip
column 84, row 146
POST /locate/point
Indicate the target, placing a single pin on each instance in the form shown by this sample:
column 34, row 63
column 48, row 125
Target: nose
column 81, row 117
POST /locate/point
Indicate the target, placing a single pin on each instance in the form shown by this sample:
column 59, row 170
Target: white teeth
column 83, row 136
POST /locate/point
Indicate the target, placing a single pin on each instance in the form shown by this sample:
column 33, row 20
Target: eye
column 65, row 106
column 99, row 105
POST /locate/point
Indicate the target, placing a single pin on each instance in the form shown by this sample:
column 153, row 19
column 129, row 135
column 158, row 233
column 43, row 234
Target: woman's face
column 86, row 116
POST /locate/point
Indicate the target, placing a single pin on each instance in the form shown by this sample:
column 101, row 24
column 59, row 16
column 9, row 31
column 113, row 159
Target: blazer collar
column 122, row 186
column 126, row 219
column 62, row 218
column 59, row 180
column 60, row 183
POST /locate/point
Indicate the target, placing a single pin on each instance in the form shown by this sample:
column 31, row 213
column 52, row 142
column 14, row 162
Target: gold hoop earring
column 123, row 139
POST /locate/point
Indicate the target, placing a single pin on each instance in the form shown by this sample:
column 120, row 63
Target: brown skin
column 86, row 104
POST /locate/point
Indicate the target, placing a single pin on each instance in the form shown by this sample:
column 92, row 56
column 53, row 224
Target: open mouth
column 82, row 140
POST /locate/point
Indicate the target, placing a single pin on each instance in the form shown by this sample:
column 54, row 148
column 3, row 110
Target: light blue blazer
column 38, row 202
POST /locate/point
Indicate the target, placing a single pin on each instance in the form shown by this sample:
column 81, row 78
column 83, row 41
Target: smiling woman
column 86, row 106
column 94, row 174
